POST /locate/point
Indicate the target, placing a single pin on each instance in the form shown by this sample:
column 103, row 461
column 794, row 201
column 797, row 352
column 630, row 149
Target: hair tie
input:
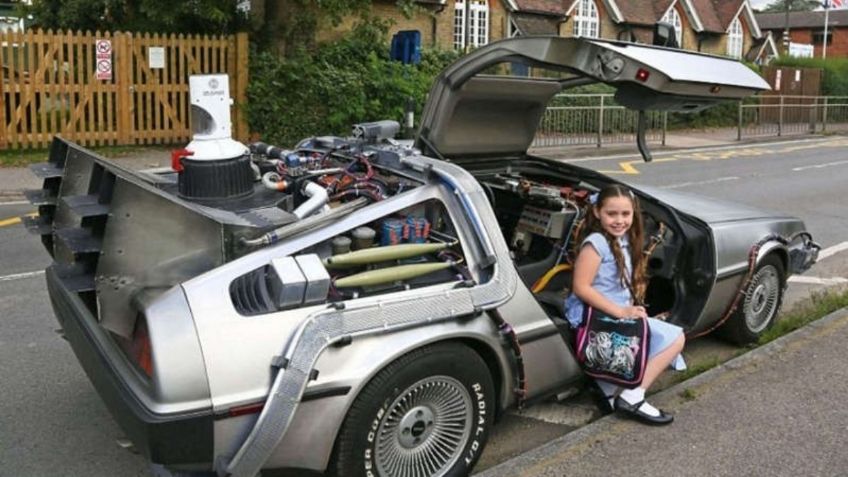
column 593, row 198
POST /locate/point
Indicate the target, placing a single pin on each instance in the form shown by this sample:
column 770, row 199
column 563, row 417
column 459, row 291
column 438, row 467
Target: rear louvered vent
column 250, row 293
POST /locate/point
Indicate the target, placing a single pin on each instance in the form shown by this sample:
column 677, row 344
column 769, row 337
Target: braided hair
column 638, row 282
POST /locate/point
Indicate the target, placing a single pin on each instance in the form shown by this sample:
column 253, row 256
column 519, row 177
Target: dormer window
column 586, row 22
column 673, row 18
column 734, row 39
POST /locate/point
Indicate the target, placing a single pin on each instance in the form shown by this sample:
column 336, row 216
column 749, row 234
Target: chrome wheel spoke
column 424, row 429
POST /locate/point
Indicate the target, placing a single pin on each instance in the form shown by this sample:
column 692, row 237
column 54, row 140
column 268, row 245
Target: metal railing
column 787, row 115
column 596, row 119
column 587, row 119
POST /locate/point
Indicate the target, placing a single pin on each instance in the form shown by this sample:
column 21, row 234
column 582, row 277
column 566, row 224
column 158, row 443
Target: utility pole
column 788, row 5
column 467, row 24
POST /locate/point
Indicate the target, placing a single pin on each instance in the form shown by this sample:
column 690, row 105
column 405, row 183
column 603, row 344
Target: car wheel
column 759, row 306
column 426, row 414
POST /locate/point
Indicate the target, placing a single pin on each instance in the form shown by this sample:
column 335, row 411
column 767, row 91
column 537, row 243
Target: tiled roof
column 777, row 21
column 715, row 15
column 545, row 7
column 709, row 17
column 726, row 11
column 535, row 24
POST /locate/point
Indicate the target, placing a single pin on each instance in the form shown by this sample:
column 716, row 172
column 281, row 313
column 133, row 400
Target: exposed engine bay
column 540, row 215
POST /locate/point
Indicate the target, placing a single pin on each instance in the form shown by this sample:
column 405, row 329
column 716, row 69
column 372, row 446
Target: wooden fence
column 58, row 83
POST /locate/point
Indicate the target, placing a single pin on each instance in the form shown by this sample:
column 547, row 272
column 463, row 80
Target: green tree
column 794, row 5
column 163, row 16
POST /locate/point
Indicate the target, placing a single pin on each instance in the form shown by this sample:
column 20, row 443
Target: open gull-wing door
column 468, row 114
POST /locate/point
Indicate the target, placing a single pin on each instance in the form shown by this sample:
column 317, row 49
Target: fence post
column 124, row 95
column 739, row 123
column 780, row 118
column 824, row 115
column 812, row 115
column 241, row 74
column 601, row 122
column 664, row 126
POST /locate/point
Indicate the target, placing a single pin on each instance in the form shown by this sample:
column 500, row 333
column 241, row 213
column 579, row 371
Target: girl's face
column 615, row 215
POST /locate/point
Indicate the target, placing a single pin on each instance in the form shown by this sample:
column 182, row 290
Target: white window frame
column 586, row 20
column 478, row 27
column 735, row 39
column 673, row 17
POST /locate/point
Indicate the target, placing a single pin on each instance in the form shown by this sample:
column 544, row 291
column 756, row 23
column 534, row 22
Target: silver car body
column 218, row 375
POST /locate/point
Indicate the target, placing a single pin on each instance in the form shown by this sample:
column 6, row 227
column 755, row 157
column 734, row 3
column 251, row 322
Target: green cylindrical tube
column 381, row 254
column 390, row 274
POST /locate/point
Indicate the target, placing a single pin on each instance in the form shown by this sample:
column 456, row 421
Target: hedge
column 339, row 84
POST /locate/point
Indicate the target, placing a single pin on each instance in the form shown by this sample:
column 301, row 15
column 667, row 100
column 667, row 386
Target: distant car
column 369, row 307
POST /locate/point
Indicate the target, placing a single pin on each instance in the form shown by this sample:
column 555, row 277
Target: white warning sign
column 103, row 60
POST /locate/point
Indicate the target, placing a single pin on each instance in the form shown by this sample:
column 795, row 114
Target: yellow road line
column 15, row 220
column 627, row 167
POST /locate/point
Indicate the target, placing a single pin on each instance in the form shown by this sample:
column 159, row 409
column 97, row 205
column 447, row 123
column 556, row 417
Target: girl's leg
column 661, row 361
column 656, row 365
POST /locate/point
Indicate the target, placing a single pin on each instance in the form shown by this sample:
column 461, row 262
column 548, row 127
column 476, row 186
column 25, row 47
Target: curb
column 587, row 434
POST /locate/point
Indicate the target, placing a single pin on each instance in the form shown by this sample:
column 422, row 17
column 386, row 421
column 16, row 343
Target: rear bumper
column 170, row 439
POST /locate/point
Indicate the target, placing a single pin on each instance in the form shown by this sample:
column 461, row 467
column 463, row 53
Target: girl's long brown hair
column 639, row 281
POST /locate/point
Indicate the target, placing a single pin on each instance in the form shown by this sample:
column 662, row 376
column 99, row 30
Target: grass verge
column 817, row 306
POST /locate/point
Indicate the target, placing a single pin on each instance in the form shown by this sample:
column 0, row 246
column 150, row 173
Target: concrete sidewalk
column 775, row 411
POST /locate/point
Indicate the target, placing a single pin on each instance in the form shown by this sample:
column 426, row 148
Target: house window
column 734, row 39
column 586, row 21
column 818, row 37
column 478, row 26
column 673, row 18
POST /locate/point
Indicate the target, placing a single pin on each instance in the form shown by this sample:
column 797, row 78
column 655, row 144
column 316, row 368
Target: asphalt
column 15, row 180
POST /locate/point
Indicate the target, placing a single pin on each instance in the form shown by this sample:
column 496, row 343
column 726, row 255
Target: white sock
column 610, row 390
column 632, row 396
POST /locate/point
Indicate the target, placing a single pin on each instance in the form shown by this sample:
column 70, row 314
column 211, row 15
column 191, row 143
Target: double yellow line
column 15, row 220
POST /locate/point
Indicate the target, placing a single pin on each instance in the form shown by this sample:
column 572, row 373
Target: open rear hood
column 469, row 115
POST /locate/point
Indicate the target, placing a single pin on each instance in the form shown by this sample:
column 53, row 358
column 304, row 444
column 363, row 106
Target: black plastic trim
column 183, row 438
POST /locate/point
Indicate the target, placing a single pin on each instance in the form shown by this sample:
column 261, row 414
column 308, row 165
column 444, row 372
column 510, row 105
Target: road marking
column 16, row 202
column 18, row 276
column 15, row 220
column 695, row 150
column 711, row 181
column 817, row 280
column 833, row 250
column 820, row 166
column 714, row 153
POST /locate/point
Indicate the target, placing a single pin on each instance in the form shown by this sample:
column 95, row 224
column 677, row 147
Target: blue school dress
column 608, row 284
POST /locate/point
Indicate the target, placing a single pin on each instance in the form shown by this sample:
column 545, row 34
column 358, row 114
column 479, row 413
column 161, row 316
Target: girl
column 609, row 275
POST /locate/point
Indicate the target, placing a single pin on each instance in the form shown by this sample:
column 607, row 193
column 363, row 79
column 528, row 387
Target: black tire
column 437, row 395
column 758, row 308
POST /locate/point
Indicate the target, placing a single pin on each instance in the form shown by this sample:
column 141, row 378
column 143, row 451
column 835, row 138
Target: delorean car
column 365, row 306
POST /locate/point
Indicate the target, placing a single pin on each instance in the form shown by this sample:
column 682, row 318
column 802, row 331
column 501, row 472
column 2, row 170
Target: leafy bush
column 835, row 77
column 339, row 84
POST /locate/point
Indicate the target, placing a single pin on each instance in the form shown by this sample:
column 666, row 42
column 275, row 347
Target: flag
column 832, row 4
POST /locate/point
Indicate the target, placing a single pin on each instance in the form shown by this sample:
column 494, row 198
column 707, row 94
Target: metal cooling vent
column 251, row 294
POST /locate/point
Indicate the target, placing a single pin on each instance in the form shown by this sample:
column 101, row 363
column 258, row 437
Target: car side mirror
column 664, row 35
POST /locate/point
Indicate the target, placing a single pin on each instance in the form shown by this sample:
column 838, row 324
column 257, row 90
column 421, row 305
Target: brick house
column 808, row 28
column 722, row 27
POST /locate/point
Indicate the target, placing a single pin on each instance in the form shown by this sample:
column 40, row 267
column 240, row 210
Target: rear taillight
column 140, row 350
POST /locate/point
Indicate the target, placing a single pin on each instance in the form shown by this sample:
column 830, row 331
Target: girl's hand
column 633, row 312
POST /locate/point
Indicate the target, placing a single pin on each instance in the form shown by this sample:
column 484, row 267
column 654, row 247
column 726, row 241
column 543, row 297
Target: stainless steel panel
column 287, row 282
column 317, row 278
